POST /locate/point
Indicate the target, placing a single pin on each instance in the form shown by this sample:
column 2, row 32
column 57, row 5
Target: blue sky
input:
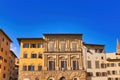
column 97, row 20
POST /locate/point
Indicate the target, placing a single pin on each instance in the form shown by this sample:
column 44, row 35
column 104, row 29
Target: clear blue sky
column 97, row 20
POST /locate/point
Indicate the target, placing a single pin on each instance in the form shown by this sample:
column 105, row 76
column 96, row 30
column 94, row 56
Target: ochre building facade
column 7, row 58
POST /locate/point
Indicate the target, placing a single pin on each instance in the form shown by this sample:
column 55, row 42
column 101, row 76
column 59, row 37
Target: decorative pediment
column 74, row 56
column 51, row 57
column 63, row 57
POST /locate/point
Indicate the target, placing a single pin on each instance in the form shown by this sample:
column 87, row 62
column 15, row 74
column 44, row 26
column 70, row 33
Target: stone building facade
column 61, row 58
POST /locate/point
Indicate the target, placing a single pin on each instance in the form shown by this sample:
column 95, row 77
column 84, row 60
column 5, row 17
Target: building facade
column 58, row 58
column 12, row 59
column 7, row 57
column 94, row 61
column 113, row 66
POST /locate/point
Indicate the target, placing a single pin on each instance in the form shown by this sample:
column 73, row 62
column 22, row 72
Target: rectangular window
column 89, row 64
column 89, row 74
column 33, row 55
column 1, row 49
column 39, row 68
column 101, row 50
column 25, row 45
column 4, row 75
column 7, row 43
column 108, row 72
column 112, row 65
column 108, row 65
column 51, row 65
column 74, row 46
column 97, row 64
column 118, row 64
column 5, row 60
column 62, row 47
column 74, row 65
column 51, row 46
column 113, row 72
column 40, row 56
column 32, row 45
column 24, row 68
column 40, row 45
column 1, row 58
column 96, row 50
column 63, row 65
column 30, row 68
column 25, row 55
column 103, row 65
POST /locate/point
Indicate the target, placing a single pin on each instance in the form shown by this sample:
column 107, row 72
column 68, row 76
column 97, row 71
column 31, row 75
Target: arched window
column 75, row 78
column 50, row 78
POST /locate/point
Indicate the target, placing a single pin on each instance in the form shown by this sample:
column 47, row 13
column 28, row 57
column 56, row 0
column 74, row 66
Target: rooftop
column 5, row 34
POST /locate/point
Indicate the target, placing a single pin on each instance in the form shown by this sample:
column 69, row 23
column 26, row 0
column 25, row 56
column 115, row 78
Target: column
column 57, row 62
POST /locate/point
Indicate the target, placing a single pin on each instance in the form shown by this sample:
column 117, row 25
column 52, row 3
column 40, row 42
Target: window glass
column 25, row 45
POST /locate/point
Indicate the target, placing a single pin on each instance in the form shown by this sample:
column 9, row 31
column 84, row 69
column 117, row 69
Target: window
column 1, row 49
column 62, row 47
column 24, row 68
column 116, row 78
column 98, row 73
column 39, row 68
column 108, row 72
column 51, row 65
column 103, row 65
column 33, row 55
column 109, row 79
column 89, row 74
column 96, row 50
column 101, row 50
column 1, row 58
column 36, row 78
column 40, row 45
column 89, row 64
column 108, row 65
column 7, row 43
column 97, row 64
column 51, row 46
column 63, row 65
column 75, row 65
column 75, row 78
column 40, row 56
column 118, row 64
column 74, row 46
column 50, row 78
column 113, row 72
column 5, row 60
column 25, row 45
column 102, row 58
column 104, row 74
column 88, row 50
column 25, row 55
column 3, row 39
column 33, row 46
column 4, row 68
column 4, row 75
column 30, row 68
column 112, row 65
